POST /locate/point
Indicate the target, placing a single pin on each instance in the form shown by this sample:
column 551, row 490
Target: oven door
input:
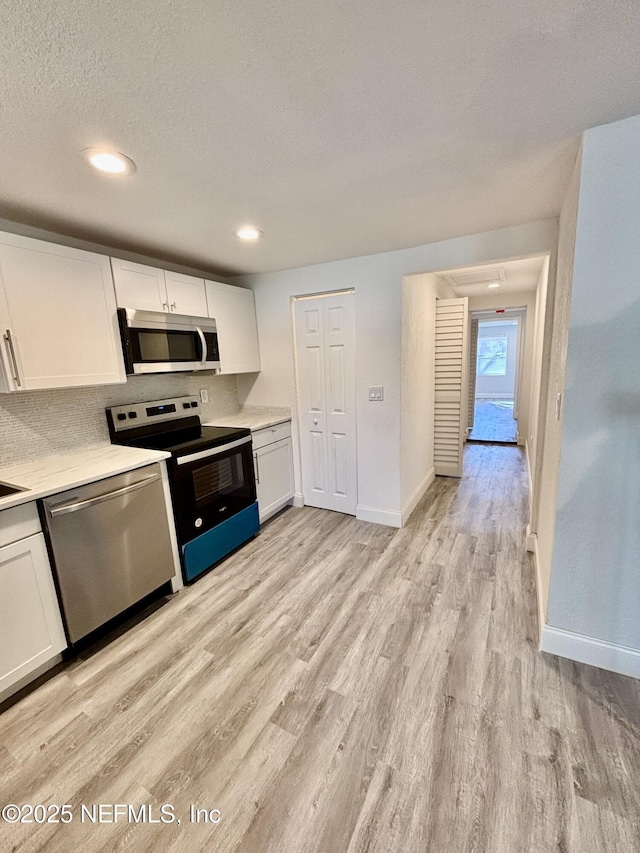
column 211, row 485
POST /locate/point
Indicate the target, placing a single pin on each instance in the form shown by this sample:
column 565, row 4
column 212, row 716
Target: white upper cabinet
column 58, row 317
column 185, row 294
column 152, row 289
column 139, row 286
column 234, row 310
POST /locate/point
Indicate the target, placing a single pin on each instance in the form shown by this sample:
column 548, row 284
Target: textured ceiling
column 340, row 129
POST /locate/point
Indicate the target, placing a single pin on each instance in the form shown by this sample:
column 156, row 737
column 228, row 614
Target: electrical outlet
column 376, row 393
column 204, row 395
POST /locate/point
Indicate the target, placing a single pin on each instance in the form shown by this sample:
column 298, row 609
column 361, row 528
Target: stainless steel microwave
column 154, row 342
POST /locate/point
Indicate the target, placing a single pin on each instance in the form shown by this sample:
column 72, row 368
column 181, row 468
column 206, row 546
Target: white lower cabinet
column 273, row 461
column 31, row 630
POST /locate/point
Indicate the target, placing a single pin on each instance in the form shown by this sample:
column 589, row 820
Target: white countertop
column 57, row 473
column 254, row 418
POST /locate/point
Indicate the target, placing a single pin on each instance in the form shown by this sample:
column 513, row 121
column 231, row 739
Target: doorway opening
column 495, row 378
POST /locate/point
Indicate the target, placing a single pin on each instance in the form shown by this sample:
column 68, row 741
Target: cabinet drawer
column 268, row 435
column 18, row 523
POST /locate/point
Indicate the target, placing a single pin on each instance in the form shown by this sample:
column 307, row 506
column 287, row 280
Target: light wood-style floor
column 493, row 421
column 342, row 687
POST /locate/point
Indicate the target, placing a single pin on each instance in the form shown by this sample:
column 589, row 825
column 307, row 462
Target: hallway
column 339, row 687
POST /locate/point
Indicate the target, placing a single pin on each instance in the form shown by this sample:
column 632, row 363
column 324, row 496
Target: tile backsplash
column 34, row 424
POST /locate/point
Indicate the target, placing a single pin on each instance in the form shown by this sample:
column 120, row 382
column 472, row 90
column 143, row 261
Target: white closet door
column 451, row 385
column 325, row 358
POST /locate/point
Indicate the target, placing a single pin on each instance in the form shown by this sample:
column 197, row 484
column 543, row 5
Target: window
column 492, row 356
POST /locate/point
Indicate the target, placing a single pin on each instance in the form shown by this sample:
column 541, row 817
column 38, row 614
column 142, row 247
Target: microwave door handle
column 203, row 344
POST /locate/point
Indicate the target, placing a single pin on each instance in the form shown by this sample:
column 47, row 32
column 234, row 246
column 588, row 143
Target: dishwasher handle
column 75, row 506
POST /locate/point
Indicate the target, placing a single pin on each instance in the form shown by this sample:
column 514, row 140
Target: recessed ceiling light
column 494, row 284
column 249, row 232
column 109, row 161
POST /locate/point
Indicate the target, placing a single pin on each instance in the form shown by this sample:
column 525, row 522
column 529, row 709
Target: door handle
column 255, row 460
column 12, row 356
column 215, row 451
column 74, row 506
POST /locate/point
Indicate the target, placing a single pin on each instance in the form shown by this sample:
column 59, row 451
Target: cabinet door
column 31, row 632
column 234, row 310
column 57, row 316
column 186, row 294
column 274, row 476
column 139, row 286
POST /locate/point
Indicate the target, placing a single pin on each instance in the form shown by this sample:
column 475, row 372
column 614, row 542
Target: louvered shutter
column 451, row 388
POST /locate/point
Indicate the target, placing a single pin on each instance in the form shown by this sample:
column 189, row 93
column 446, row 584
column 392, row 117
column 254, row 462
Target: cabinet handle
column 173, row 306
column 255, row 460
column 165, row 306
column 12, row 355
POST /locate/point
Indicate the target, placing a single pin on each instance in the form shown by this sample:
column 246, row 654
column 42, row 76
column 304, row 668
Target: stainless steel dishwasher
column 110, row 545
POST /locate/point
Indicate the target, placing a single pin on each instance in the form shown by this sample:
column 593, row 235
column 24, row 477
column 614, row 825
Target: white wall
column 417, row 396
column 554, row 357
column 378, row 283
column 504, row 385
column 539, row 314
column 595, row 576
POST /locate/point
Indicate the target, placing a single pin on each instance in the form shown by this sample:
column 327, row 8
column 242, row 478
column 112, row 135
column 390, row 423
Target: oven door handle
column 212, row 451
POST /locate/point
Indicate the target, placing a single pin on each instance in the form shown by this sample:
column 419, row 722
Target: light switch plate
column 204, row 395
column 376, row 393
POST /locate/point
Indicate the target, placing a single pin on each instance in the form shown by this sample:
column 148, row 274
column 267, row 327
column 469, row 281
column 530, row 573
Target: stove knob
column 194, row 405
column 122, row 416
column 133, row 414
column 198, row 522
column 186, row 405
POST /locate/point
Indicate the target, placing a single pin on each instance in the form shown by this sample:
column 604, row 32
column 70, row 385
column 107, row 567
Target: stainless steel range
column 210, row 473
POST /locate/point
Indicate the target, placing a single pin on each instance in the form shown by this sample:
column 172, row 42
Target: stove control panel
column 152, row 411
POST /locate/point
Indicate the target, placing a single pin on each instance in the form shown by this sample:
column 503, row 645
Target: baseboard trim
column 417, row 496
column 298, row 499
column 389, row 518
column 589, row 650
